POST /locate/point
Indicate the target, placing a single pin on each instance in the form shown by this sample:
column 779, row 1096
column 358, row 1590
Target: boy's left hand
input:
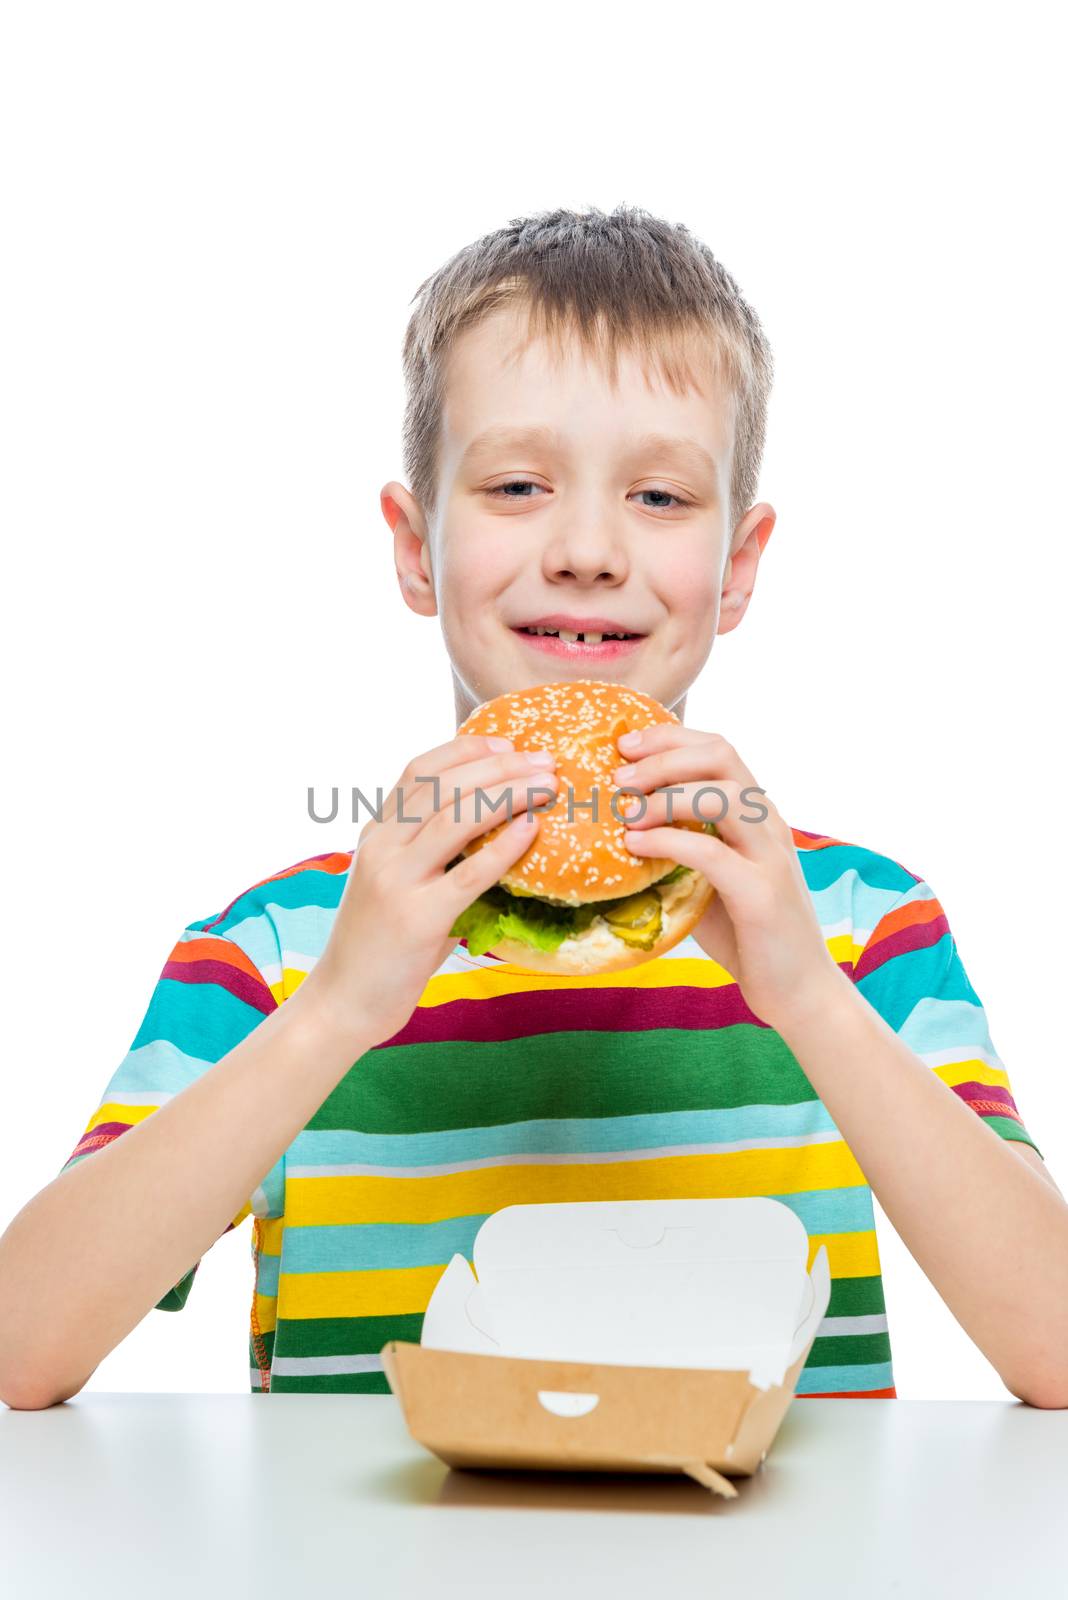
column 761, row 925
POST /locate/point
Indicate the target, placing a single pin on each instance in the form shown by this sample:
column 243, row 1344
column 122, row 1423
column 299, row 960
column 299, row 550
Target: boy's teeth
column 572, row 637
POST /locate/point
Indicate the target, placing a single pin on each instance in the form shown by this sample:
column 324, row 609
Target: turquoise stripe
column 311, row 887
column 944, row 1024
column 338, row 1147
column 828, row 1380
column 380, row 1246
column 934, row 971
column 824, row 867
column 274, row 1189
column 159, row 1068
column 304, row 930
column 203, row 1020
column 267, row 1274
column 866, row 907
column 257, row 938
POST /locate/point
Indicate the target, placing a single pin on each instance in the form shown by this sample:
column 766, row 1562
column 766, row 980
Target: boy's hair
column 625, row 280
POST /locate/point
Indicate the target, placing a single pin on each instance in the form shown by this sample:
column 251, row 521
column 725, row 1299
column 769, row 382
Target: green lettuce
column 497, row 915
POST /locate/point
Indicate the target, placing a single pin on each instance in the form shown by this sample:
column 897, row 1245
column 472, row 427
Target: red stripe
column 253, row 992
column 988, row 1099
column 513, row 1016
column 97, row 1137
column 918, row 936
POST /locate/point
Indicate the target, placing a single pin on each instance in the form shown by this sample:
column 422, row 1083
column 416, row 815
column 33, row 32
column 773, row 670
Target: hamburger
column 577, row 901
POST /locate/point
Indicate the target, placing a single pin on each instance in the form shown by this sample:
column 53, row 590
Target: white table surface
column 211, row 1496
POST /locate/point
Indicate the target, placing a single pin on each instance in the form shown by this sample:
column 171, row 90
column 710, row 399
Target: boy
column 586, row 409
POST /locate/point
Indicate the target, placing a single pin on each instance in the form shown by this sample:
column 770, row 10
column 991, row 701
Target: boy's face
column 557, row 506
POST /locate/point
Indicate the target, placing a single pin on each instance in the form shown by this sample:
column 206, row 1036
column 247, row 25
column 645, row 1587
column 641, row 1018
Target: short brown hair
column 621, row 280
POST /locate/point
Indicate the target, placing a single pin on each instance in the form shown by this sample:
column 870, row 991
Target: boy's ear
column 411, row 548
column 739, row 579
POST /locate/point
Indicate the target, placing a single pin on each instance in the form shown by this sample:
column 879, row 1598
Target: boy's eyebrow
column 535, row 438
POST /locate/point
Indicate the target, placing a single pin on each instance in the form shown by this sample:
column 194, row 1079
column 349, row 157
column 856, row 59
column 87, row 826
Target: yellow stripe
column 115, row 1111
column 357, row 1294
column 486, row 983
column 849, row 1255
column 321, row 1201
column 403, row 1290
column 266, row 1311
column 272, row 1230
column 955, row 1072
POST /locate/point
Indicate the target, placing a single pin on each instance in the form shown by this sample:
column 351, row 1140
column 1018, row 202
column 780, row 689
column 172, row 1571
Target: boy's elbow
column 27, row 1394
column 17, row 1398
column 1049, row 1394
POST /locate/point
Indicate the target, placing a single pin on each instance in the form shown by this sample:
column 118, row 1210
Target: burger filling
column 544, row 924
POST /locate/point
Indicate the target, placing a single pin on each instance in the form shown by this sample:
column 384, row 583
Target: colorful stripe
column 508, row 1087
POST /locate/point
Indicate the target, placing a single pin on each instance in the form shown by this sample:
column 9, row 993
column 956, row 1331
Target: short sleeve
column 910, row 970
column 209, row 996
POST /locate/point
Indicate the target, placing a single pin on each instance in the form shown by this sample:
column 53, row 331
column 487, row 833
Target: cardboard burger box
column 619, row 1336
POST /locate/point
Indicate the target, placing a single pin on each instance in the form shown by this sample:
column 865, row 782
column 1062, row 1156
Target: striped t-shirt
column 509, row 1087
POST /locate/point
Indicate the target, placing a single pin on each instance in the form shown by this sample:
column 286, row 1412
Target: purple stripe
column 987, row 1091
column 917, row 936
column 232, row 979
column 98, row 1137
column 511, row 1016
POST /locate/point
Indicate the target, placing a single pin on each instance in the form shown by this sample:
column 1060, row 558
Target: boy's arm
column 107, row 1239
column 132, row 1218
column 991, row 1236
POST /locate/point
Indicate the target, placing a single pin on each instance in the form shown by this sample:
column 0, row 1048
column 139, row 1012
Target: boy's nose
column 586, row 556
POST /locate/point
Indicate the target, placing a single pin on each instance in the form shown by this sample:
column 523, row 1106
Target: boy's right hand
column 391, row 931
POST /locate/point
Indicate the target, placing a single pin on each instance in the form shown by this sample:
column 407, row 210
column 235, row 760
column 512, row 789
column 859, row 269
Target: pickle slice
column 636, row 919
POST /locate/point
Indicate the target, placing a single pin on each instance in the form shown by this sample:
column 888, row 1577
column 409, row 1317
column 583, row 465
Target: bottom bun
column 598, row 949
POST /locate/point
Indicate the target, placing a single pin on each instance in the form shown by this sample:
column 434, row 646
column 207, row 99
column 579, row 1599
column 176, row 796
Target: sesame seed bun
column 584, row 860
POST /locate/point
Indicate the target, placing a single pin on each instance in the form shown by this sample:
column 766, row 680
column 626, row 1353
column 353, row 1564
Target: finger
column 423, row 799
column 464, row 747
column 724, row 868
column 453, row 827
column 710, row 757
column 462, row 884
column 735, row 818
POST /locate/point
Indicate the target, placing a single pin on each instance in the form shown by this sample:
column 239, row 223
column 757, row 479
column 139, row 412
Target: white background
column 215, row 218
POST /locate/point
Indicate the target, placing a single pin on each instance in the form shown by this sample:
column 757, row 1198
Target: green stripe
column 345, row 1336
column 175, row 1299
column 852, row 1349
column 420, row 1088
column 1009, row 1128
column 336, row 1383
column 856, row 1297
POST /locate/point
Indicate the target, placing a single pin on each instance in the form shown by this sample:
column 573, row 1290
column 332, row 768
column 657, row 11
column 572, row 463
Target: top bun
column 579, row 720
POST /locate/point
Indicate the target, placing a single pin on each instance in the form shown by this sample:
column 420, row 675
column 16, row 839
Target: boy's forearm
column 93, row 1252
column 991, row 1235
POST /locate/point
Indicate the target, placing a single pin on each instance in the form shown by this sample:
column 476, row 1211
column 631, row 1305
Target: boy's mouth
column 579, row 638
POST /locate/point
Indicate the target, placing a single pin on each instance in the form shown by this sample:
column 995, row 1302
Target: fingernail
column 540, row 758
column 623, row 773
column 495, row 742
column 631, row 740
column 632, row 808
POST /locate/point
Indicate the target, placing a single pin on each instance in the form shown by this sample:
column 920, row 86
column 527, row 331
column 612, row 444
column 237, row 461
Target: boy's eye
column 665, row 494
column 514, row 483
column 503, row 489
